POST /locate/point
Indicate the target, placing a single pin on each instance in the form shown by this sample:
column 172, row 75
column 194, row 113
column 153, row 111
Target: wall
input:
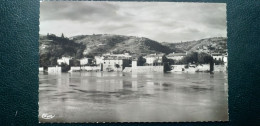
column 54, row 69
column 127, row 69
column 147, row 69
column 177, row 68
column 91, row 68
column 220, row 68
column 74, row 68
column 204, row 67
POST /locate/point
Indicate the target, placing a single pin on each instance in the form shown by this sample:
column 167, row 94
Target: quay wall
column 177, row 68
column 204, row 67
column 127, row 69
column 85, row 68
column 74, row 68
column 91, row 68
column 147, row 69
column 220, row 68
column 54, row 69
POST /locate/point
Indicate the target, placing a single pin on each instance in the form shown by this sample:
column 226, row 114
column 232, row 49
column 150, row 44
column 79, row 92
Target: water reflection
column 133, row 97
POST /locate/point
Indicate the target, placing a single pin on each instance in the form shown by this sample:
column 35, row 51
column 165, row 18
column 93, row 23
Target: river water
column 133, row 97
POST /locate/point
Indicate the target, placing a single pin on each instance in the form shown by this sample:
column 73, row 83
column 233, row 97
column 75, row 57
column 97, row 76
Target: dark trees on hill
column 47, row 60
column 58, row 47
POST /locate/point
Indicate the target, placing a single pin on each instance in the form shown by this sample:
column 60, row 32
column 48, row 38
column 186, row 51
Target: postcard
column 106, row 61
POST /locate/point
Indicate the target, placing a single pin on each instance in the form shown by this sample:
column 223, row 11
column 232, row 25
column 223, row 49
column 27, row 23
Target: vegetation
column 65, row 67
column 118, row 44
column 141, row 61
column 196, row 58
column 53, row 47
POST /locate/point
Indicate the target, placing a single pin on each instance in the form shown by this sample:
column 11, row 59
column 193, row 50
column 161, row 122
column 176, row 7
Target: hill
column 52, row 47
column 213, row 45
column 104, row 43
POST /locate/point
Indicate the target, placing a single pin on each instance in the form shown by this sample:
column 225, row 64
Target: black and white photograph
column 103, row 61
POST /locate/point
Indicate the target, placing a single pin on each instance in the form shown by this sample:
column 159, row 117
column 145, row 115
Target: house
column 176, row 56
column 153, row 58
column 85, row 61
column 114, row 63
column 98, row 59
column 65, row 60
column 217, row 56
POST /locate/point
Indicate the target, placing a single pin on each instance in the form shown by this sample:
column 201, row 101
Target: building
column 114, row 64
column 98, row 59
column 217, row 56
column 153, row 58
column 176, row 56
column 65, row 60
column 123, row 56
column 225, row 60
column 85, row 61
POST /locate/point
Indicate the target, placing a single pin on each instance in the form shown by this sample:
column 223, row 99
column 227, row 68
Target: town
column 173, row 62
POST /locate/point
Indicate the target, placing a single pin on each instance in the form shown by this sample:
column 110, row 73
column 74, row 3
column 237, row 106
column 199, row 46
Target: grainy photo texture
column 132, row 62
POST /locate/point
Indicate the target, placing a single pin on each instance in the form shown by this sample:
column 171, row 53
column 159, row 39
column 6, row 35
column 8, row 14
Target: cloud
column 161, row 21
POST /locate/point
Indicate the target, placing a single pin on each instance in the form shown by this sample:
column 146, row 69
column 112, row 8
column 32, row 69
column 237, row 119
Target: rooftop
column 176, row 54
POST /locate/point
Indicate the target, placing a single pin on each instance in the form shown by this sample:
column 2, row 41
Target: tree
column 204, row 58
column 117, row 65
column 74, row 62
column 44, row 60
column 190, row 58
column 166, row 60
column 65, row 67
column 62, row 35
column 141, row 61
column 166, row 67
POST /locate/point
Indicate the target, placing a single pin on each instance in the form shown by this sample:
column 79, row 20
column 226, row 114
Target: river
column 133, row 97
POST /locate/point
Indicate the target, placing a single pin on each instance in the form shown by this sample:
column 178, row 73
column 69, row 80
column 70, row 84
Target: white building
column 153, row 58
column 217, row 56
column 225, row 60
column 115, row 64
column 176, row 56
column 65, row 60
column 99, row 59
column 122, row 56
column 85, row 61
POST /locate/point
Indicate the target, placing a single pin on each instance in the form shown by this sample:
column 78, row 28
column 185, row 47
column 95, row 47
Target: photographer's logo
column 47, row 116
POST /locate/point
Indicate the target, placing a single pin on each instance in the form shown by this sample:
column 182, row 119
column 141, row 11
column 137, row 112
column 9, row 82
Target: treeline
column 56, row 47
column 198, row 58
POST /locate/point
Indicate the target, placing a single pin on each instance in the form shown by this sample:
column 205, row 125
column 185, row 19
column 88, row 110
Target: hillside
column 214, row 45
column 52, row 47
column 103, row 43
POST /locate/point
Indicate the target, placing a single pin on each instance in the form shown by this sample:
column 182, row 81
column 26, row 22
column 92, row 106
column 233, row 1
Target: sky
column 160, row 21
